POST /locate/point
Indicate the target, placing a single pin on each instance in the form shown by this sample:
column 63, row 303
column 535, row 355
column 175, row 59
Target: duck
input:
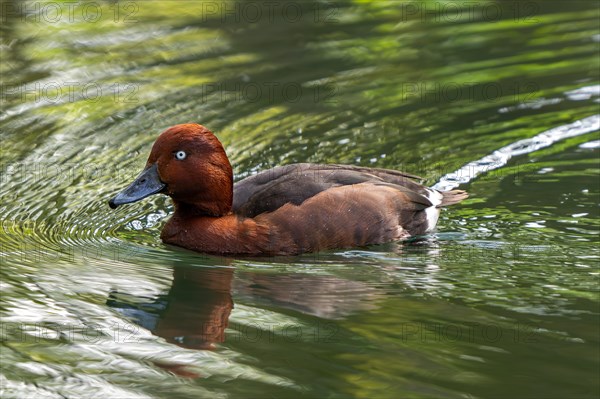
column 286, row 210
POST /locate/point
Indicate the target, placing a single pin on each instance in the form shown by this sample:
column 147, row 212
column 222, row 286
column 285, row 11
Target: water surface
column 502, row 301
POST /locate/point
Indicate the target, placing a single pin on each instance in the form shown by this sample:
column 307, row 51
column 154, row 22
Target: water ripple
column 501, row 157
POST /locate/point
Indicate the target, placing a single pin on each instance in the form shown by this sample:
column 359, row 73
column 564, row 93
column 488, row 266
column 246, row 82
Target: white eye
column 180, row 155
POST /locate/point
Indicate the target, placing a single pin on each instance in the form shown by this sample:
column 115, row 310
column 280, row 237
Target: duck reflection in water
column 194, row 313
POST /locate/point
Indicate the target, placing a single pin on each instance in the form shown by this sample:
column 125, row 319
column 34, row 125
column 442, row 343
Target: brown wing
column 269, row 190
column 344, row 217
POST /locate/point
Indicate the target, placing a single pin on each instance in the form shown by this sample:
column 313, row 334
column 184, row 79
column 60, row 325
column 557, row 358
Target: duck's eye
column 180, row 155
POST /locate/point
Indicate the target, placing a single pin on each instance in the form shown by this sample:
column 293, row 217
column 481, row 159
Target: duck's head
column 187, row 163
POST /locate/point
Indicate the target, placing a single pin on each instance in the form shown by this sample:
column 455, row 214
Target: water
column 501, row 302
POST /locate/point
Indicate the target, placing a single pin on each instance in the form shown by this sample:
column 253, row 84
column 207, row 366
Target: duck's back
column 415, row 205
column 273, row 188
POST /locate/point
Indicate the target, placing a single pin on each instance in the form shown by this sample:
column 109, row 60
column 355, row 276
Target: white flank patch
column 433, row 212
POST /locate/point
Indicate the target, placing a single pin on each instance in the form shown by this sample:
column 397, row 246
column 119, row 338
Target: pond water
column 502, row 301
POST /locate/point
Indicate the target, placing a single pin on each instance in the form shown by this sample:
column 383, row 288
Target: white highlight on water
column 590, row 145
column 501, row 157
column 583, row 93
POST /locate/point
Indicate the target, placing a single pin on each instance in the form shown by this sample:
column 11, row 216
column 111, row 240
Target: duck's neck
column 202, row 209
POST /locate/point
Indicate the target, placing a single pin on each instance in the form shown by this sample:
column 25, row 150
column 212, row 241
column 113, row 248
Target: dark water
column 501, row 302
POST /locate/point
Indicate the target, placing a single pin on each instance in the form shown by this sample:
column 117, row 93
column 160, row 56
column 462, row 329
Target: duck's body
column 285, row 210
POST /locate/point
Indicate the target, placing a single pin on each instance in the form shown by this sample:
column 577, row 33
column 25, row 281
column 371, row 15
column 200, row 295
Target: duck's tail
column 452, row 197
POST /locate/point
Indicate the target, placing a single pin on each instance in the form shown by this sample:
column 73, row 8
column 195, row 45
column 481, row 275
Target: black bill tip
column 112, row 204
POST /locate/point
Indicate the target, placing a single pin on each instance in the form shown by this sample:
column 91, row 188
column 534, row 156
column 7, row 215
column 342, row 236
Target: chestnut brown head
column 187, row 163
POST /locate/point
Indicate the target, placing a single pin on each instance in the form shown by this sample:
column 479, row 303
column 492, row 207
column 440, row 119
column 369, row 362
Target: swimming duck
column 285, row 210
